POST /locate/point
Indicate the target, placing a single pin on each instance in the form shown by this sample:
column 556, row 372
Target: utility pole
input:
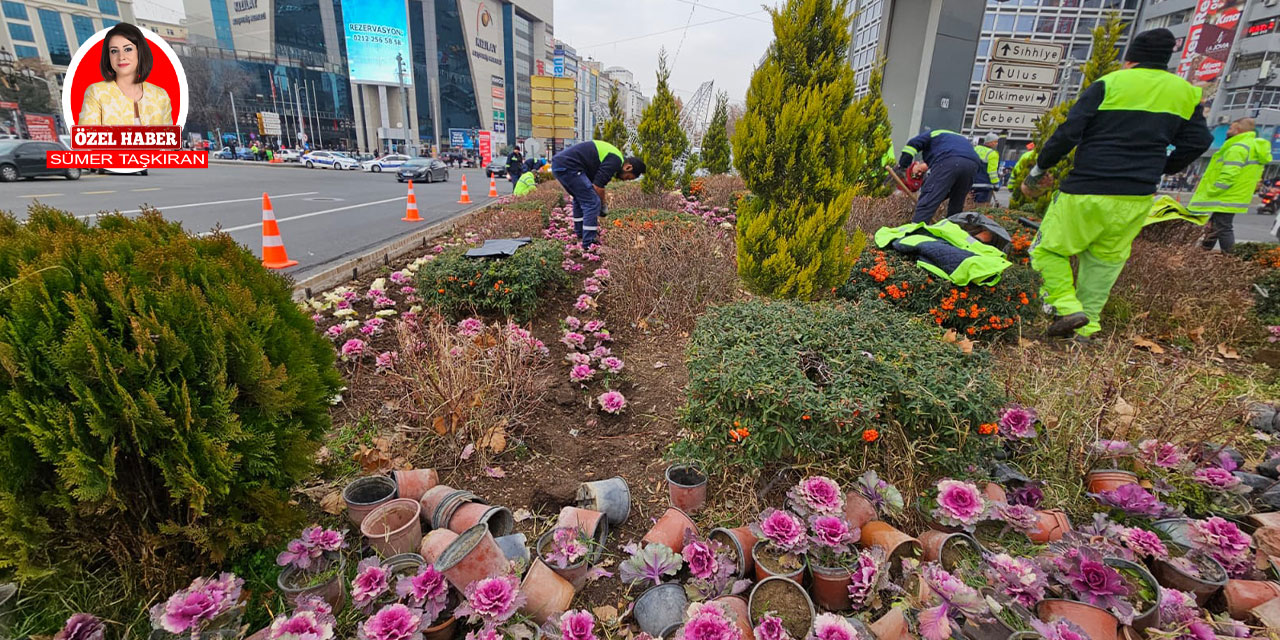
column 404, row 101
column 233, row 116
column 297, row 106
column 316, row 112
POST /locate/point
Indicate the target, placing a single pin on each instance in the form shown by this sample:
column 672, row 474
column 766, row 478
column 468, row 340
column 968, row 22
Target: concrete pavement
column 325, row 215
column 1249, row 227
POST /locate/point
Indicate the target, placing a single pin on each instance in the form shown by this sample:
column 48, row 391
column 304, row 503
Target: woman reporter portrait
column 124, row 97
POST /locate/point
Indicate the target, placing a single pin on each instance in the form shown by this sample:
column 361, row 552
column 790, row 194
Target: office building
column 51, row 30
column 170, row 31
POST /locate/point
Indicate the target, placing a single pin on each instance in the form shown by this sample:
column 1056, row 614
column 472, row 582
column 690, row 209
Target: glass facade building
column 864, row 51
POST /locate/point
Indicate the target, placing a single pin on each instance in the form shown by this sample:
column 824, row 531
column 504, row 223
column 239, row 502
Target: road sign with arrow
column 1029, row 74
column 999, row 118
column 1002, row 96
column 1033, row 52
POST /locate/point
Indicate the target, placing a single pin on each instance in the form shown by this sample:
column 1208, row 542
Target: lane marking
column 39, row 195
column 94, row 193
column 148, row 189
column 257, row 225
column 205, row 204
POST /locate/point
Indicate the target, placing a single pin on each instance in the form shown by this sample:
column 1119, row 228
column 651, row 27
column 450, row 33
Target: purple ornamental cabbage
column 650, row 564
column 82, row 626
column 1133, row 500
column 816, row 495
column 954, row 598
column 1060, row 629
column 1082, row 571
column 1027, row 496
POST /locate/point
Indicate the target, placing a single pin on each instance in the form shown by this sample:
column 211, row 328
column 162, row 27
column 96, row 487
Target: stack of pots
column 459, row 510
column 591, row 523
column 363, row 495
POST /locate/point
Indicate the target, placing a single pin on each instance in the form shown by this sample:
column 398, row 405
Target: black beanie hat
column 1153, row 47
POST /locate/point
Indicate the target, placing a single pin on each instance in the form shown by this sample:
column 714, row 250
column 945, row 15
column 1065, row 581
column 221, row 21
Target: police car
column 329, row 160
column 388, row 162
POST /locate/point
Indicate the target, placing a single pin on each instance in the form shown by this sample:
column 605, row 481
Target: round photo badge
column 125, row 75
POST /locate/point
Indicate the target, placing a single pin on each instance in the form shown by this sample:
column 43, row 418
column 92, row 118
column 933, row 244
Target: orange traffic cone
column 466, row 197
column 493, row 187
column 411, row 210
column 273, row 253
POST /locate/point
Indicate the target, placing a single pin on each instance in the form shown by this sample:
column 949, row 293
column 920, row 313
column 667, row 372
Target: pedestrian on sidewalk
column 584, row 170
column 1121, row 128
column 1228, row 183
column 987, row 179
column 951, row 163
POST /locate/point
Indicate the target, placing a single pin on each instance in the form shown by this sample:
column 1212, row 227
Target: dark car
column 26, row 159
column 497, row 168
column 423, row 169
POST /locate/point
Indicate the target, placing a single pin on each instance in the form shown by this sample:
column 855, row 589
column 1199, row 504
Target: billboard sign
column 486, row 147
column 251, row 28
column 461, row 139
column 558, row 67
column 42, row 127
column 1208, row 43
column 376, row 30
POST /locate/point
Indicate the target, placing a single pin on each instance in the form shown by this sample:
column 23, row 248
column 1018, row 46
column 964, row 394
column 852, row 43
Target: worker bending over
column 584, row 170
column 950, row 161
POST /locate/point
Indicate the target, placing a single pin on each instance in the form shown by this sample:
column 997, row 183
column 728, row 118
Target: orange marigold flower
column 804, row 417
column 988, row 429
column 870, row 435
column 439, row 290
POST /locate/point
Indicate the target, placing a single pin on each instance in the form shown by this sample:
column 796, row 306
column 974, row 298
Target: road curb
column 379, row 257
column 258, row 163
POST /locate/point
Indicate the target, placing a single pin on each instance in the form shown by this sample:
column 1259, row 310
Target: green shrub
column 1250, row 250
column 459, row 286
column 807, row 380
column 974, row 311
column 160, row 393
column 1266, row 297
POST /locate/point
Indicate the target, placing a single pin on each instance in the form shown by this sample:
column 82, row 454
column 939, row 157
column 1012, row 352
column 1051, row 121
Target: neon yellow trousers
column 1099, row 229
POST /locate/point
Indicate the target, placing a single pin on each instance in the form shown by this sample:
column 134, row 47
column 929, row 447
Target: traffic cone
column 493, row 187
column 411, row 210
column 466, row 197
column 273, row 253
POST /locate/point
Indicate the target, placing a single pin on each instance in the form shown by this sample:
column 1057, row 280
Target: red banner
column 111, row 159
column 42, row 127
column 1208, row 44
column 486, row 148
column 140, row 138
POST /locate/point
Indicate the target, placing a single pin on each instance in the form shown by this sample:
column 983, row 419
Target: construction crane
column 694, row 118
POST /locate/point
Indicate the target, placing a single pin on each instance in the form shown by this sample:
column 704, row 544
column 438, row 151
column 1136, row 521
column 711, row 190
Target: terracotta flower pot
column 892, row 626
column 548, row 594
column 687, row 486
column 1243, row 595
column 449, row 506
column 760, row 601
column 472, row 556
column 332, row 591
column 1053, row 524
column 829, row 587
column 763, row 571
column 1200, row 587
column 660, row 610
column 742, row 542
column 739, row 611
column 612, row 496
column 575, row 573
column 1142, row 620
column 995, row 493
column 435, row 543
column 1108, row 479
column 858, row 510
column 1270, row 519
column 670, row 528
column 363, row 495
column 594, row 523
column 431, row 500
column 412, row 484
column 1267, row 539
column 442, row 630
column 1100, row 624
column 939, row 546
column 897, row 545
column 394, row 527
column 499, row 519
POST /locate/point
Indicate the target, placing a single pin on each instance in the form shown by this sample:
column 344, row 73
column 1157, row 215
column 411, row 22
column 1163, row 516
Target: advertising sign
column 1034, row 52
column 1012, row 73
column 483, row 24
column 1208, row 44
column 42, row 127
column 486, row 148
column 251, row 25
column 376, row 31
column 558, row 66
column 9, row 105
column 461, row 139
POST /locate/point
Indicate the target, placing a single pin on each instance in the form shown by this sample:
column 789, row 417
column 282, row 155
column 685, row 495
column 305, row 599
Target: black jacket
column 1122, row 127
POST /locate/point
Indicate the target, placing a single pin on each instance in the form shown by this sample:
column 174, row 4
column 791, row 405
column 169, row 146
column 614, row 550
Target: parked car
column 423, row 169
column 329, row 160
column 242, row 153
column 289, row 155
column 497, row 168
column 26, row 159
column 389, row 162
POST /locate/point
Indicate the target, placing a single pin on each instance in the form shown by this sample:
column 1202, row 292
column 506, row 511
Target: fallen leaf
column 495, row 439
column 1125, row 415
column 1025, row 343
column 440, row 425
column 322, row 455
column 467, row 451
column 495, row 472
column 1196, row 334
column 332, row 503
column 966, row 346
column 950, row 336
column 659, row 365
column 372, row 461
column 606, row 613
column 643, row 324
column 1228, row 352
column 1143, row 343
column 520, row 515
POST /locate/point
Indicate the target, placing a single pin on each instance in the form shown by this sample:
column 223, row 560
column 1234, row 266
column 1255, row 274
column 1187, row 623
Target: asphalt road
column 325, row 215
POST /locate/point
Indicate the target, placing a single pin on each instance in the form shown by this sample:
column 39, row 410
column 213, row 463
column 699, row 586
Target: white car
column 388, row 162
column 289, row 155
column 329, row 160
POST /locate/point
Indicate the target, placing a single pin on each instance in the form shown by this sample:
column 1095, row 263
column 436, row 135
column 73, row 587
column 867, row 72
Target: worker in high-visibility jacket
column 1228, row 183
column 584, row 170
column 1026, row 158
column 1121, row 128
column 526, row 183
column 951, row 163
column 987, row 179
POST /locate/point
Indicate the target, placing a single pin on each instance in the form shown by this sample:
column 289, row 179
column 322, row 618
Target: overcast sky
column 717, row 45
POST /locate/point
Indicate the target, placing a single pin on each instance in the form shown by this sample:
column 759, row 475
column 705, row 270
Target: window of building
column 988, row 21
column 83, row 26
column 1026, row 24
column 1004, row 22
column 984, row 47
column 21, row 32
column 55, row 37
column 15, row 10
column 1237, row 98
column 110, row 8
column 979, row 70
column 24, row 51
column 80, row 2
column 1046, row 24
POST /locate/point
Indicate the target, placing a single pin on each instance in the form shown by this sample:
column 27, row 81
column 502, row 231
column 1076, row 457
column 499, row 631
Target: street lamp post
column 404, row 101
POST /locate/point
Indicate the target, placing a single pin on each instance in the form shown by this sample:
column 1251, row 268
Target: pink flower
column 611, row 364
column 343, row 304
column 770, row 628
column 816, row 495
column 832, row 532
column 584, row 302
column 700, row 558
column 374, row 294
column 370, row 583
column 492, row 600
column 1165, row 455
column 784, row 530
column 352, row 348
column 1216, row 478
column 830, row 626
column 383, row 302
column 573, row 339
column 408, row 291
column 188, row 609
column 612, row 402
column 471, row 327
column 601, row 352
column 399, row 277
column 392, row 622
column 1019, row 578
column 1018, row 422
column 591, row 289
column 577, row 625
column 572, row 322
column 386, row 360
column 426, row 590
column 82, row 626
column 959, row 504
column 333, row 332
column 708, row 621
column 323, row 540
column 601, row 273
column 581, row 373
column 367, row 330
column 296, row 553
column 302, row 625
column 865, row 577
column 1144, row 543
column 603, row 336
column 593, row 326
column 317, row 318
column 1224, row 542
column 578, row 358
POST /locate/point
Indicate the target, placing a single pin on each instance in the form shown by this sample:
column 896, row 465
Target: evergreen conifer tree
column 715, row 145
column 795, row 148
column 874, row 133
column 614, row 129
column 660, row 140
column 1103, row 59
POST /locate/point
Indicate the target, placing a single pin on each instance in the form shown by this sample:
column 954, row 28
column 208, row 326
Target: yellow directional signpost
column 553, row 102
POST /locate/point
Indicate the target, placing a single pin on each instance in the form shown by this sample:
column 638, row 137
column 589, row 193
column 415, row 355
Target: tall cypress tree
column 659, row 139
column 614, row 129
column 1103, row 59
column 795, row 148
column 715, row 146
column 875, row 132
